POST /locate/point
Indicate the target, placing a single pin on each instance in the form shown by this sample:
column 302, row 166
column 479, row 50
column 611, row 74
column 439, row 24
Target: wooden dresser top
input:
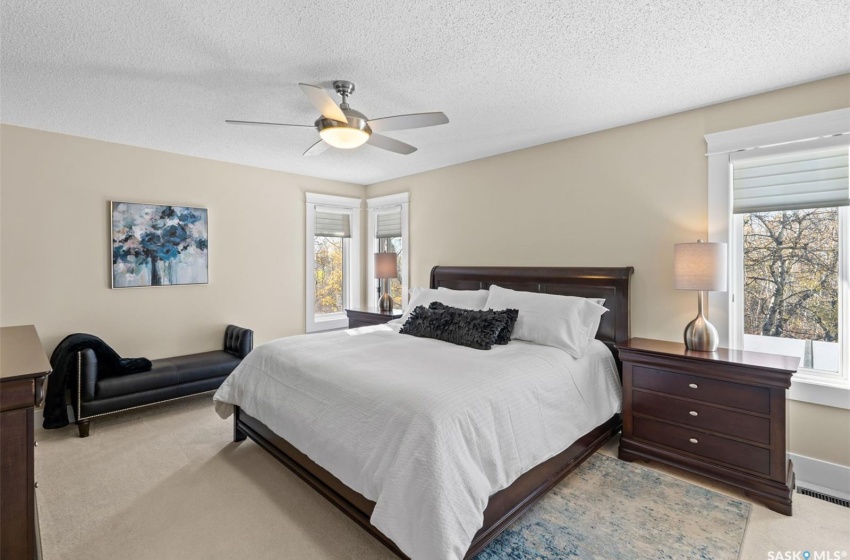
column 759, row 360
column 21, row 353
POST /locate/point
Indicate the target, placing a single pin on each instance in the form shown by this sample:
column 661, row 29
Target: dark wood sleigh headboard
column 612, row 284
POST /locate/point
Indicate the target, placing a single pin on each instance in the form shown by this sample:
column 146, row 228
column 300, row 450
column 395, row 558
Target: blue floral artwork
column 158, row 245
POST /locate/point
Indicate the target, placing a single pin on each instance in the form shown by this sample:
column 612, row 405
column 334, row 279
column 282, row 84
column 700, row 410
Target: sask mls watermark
column 807, row 555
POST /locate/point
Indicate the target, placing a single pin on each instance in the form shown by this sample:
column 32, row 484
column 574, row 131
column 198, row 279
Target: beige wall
column 54, row 240
column 618, row 197
column 822, row 432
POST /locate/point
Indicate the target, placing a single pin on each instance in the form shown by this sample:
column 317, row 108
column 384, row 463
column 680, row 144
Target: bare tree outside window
column 329, row 252
column 791, row 275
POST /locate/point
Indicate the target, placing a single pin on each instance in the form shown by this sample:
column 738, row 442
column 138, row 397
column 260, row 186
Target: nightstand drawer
column 702, row 416
column 736, row 395
column 717, row 448
column 365, row 321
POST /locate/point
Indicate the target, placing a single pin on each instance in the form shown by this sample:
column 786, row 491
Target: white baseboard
column 822, row 476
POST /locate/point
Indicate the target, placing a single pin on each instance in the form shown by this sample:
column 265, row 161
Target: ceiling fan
column 342, row 127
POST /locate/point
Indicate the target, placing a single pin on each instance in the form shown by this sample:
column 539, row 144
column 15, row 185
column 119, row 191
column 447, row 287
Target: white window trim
column 351, row 270
column 721, row 229
column 375, row 205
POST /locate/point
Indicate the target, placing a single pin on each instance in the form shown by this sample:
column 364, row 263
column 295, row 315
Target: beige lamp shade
column 700, row 266
column 386, row 265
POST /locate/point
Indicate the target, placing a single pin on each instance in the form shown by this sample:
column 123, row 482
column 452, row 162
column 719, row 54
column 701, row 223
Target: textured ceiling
column 509, row 74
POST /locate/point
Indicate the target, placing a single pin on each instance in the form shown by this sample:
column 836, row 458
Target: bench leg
column 83, row 427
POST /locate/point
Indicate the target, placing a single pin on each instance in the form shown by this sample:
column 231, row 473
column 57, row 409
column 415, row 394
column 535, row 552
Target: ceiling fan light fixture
column 344, row 137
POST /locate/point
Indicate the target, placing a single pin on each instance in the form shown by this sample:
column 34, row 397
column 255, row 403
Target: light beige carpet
column 165, row 482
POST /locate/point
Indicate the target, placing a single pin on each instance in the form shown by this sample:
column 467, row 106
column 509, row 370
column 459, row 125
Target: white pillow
column 594, row 326
column 564, row 322
column 465, row 299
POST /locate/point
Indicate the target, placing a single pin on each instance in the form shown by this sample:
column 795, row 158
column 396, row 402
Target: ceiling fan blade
column 269, row 123
column 323, row 102
column 405, row 122
column 390, row 144
column 316, row 148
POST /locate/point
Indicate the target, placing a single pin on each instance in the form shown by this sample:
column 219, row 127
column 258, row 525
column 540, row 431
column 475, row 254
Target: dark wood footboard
column 503, row 508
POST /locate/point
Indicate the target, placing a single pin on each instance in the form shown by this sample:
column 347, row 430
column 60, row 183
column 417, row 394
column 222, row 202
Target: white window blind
column 332, row 224
column 388, row 223
column 806, row 178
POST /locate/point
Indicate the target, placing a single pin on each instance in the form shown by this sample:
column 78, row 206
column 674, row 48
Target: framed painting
column 158, row 245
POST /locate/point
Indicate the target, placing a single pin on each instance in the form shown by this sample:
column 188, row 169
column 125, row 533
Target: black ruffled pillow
column 474, row 329
column 504, row 335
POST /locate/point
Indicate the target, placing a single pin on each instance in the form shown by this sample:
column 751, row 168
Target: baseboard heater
column 825, row 497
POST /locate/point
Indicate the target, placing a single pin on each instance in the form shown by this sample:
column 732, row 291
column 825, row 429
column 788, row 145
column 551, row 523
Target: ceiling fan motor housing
column 356, row 119
column 345, row 135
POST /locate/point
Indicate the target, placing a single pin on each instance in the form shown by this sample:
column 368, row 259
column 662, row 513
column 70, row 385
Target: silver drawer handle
column 694, row 440
column 693, row 413
column 693, row 386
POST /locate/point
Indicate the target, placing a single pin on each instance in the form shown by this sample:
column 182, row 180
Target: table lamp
column 386, row 267
column 701, row 267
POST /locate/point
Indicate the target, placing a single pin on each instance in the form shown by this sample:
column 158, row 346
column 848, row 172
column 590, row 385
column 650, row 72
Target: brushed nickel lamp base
column 700, row 334
column 385, row 304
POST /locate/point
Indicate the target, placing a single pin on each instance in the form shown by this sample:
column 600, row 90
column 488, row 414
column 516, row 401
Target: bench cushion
column 205, row 365
column 169, row 372
column 162, row 374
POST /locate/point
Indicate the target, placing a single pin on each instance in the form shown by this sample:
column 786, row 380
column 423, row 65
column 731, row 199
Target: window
column 789, row 204
column 388, row 232
column 332, row 231
column 333, row 262
column 779, row 195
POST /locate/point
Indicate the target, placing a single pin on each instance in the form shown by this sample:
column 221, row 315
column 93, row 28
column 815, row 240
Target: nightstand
column 365, row 316
column 718, row 414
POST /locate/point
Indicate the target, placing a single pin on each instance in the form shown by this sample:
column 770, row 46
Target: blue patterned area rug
column 609, row 509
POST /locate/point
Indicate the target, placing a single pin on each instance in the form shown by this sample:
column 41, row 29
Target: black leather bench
column 168, row 379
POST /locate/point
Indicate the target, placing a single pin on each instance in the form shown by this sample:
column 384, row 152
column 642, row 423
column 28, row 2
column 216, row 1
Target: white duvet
column 426, row 429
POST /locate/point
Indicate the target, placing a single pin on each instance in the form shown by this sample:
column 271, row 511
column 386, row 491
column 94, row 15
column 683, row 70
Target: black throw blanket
column 64, row 364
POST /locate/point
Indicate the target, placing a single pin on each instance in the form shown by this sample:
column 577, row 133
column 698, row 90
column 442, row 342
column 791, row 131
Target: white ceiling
column 509, row 74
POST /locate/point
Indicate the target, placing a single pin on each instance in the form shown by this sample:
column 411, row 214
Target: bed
column 526, row 475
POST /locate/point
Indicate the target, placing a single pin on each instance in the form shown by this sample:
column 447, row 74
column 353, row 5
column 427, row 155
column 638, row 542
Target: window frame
column 375, row 206
column 725, row 227
column 351, row 260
